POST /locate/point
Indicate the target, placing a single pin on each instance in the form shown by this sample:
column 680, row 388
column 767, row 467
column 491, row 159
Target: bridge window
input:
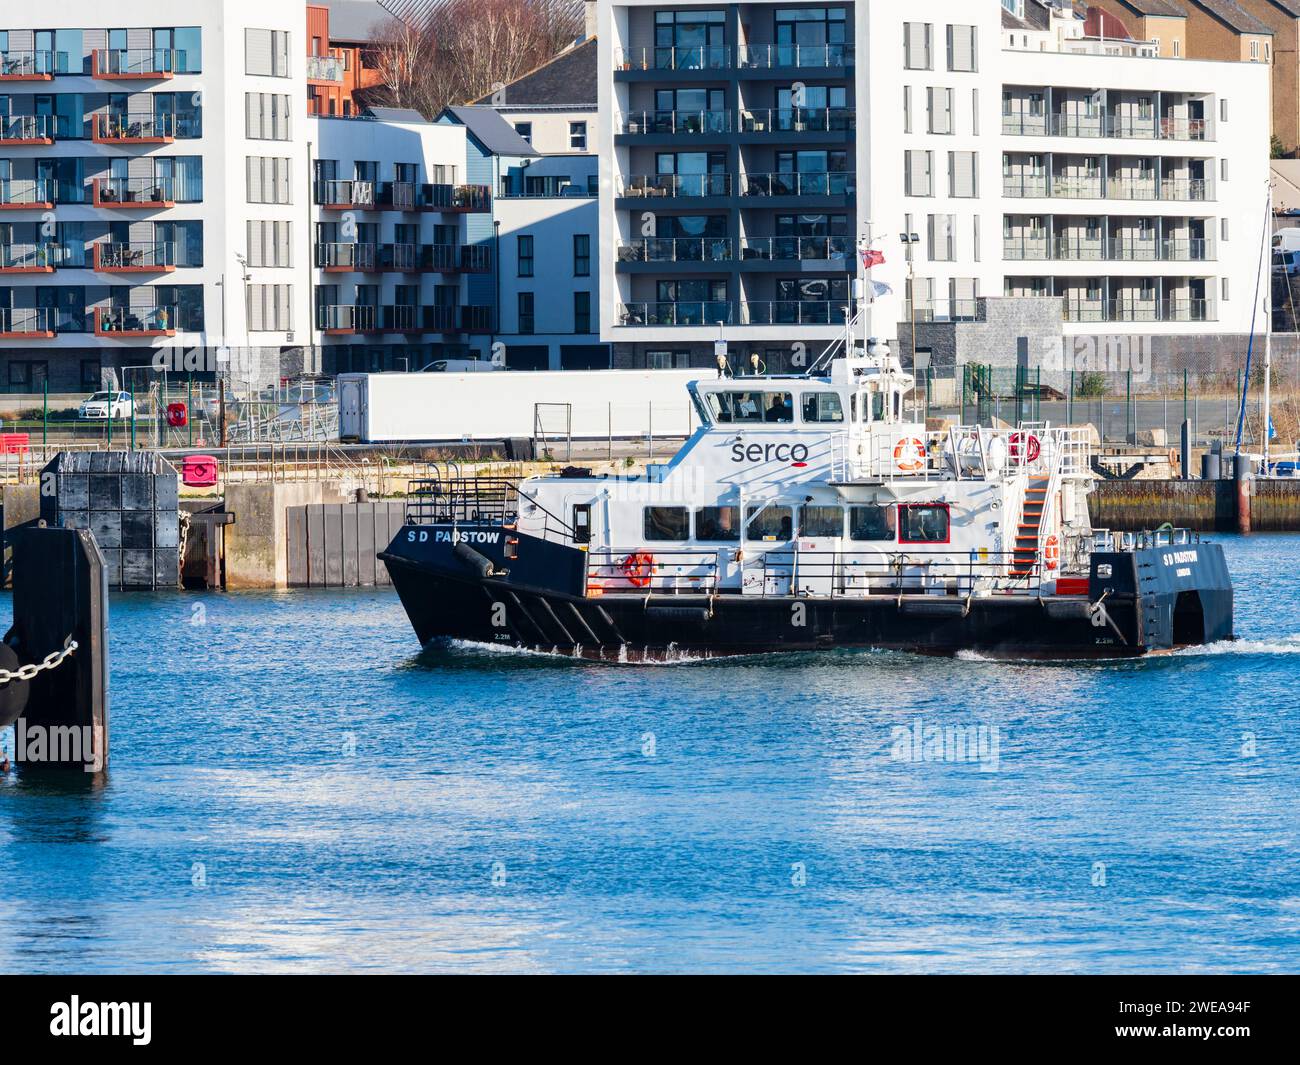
column 822, row 407
column 752, row 406
column 871, row 523
column 667, row 523
column 768, row 523
column 821, row 521
column 717, row 524
column 923, row 523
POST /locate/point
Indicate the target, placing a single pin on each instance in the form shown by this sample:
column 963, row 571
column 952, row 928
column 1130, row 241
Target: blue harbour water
column 295, row 787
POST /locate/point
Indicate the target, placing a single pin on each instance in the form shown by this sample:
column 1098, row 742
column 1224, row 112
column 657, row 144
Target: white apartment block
column 746, row 149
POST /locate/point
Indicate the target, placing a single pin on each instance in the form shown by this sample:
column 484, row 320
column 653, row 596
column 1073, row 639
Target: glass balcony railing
column 324, row 68
column 650, row 186
column 693, row 122
column 134, row 192
column 19, row 129
column 795, row 312
column 145, row 129
column 17, row 65
column 545, row 187
column 700, row 57
column 342, row 195
column 136, row 255
column 19, row 322
column 765, row 57
column 34, row 258
column 1117, row 126
column 789, row 249
column 347, row 256
column 798, row 120
column 397, row 195
column 469, row 198
column 1139, row 310
column 838, row 183
column 1093, row 187
column 675, row 250
column 1107, row 249
column 949, row 310
column 685, row 312
column 137, row 321
column 347, row 318
column 406, row 318
column 138, row 63
column 399, row 257
column 27, row 192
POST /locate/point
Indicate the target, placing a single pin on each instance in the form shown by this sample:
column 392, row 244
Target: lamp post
column 910, row 241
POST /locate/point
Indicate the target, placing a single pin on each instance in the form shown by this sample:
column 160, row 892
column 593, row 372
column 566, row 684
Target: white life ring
column 909, row 446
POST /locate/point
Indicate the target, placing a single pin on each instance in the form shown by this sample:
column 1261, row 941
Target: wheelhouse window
column 821, row 521
column 667, row 523
column 822, row 407
column 717, row 524
column 775, row 407
column 871, row 522
column 768, row 523
column 923, row 523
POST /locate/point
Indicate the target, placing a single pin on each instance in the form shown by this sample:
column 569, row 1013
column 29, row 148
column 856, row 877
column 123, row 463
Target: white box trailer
column 581, row 404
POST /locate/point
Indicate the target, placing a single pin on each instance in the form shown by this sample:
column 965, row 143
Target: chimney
column 589, row 26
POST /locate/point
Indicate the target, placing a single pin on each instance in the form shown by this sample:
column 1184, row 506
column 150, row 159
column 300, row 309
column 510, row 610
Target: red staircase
column 1031, row 521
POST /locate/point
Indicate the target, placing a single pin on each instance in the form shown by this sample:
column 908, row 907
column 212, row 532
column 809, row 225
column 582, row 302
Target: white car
column 98, row 406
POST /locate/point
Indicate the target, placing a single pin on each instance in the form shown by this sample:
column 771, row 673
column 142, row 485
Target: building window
column 90, row 377
column 907, row 109
column 525, row 256
column 270, row 308
column 1225, row 288
column 266, row 116
column 527, row 323
column 942, row 238
column 581, row 255
column 1223, row 110
column 582, row 312
column 266, row 53
column 962, row 169
column 1178, row 48
column 917, row 39
column 667, row 360
column 269, row 179
column 28, row 376
column 961, row 48
column 1254, row 50
column 1223, row 229
column 1223, row 169
column 939, row 102
column 525, row 130
column 919, row 172
column 578, row 136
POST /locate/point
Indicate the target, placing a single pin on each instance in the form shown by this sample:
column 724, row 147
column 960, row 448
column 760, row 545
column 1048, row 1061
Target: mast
column 1268, row 331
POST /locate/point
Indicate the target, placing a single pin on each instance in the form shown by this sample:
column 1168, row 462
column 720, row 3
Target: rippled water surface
column 294, row 787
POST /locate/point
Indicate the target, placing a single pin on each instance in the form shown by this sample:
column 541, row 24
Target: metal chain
column 184, row 546
column 51, row 661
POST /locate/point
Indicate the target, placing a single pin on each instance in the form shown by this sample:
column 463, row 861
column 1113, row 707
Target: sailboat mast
column 1268, row 332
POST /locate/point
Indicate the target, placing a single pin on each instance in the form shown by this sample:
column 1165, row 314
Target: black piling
column 60, row 586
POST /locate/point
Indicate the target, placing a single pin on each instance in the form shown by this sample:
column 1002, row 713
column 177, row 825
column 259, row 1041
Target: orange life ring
column 638, row 568
column 916, row 447
column 1033, row 447
column 1052, row 553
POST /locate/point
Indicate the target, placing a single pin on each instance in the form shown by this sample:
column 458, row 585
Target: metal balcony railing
column 455, row 198
column 35, row 128
column 675, row 250
column 798, row 120
column 765, row 57
column 347, row 318
column 146, row 128
column 404, row 318
column 949, row 310
column 693, row 122
column 18, row 65
column 27, row 192
column 702, row 57
column 1108, row 249
column 837, row 183
column 547, row 186
column 651, row 186
column 346, row 256
column 683, row 312
column 138, row 62
column 344, row 194
column 324, row 68
column 796, row 248
column 136, row 321
column 1105, row 126
column 399, row 195
column 27, row 321
column 794, row 312
column 1092, row 187
column 1138, row 310
column 136, row 255
column 134, row 192
column 399, row 257
column 37, row 258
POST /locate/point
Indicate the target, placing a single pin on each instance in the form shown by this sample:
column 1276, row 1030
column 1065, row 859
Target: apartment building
column 127, row 135
column 746, row 149
column 341, row 72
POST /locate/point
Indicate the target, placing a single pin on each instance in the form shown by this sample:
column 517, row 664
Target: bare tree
column 462, row 50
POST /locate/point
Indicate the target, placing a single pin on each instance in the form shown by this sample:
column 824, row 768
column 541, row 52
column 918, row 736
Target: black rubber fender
column 13, row 695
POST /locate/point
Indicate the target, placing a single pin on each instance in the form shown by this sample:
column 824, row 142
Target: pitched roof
column 566, row 80
column 1156, row 8
column 1289, row 7
column 493, row 132
column 355, row 20
column 1234, row 17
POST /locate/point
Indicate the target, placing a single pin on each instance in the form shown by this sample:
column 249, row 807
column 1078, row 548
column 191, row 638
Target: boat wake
column 1285, row 645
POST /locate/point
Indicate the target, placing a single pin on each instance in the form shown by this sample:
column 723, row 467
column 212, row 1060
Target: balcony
column 684, row 313
column 834, row 250
column 20, row 194
column 799, row 120
column 836, row 183
column 544, row 187
column 464, row 199
column 399, row 258
column 1093, row 187
column 1138, row 310
column 398, row 195
column 343, row 319
column 142, row 129
column 795, row 312
column 804, row 56
column 133, row 193
column 695, row 123
column 407, row 318
column 26, row 66
column 702, row 57
column 136, row 257
column 27, row 323
column 949, row 310
column 1113, row 249
column 457, row 258
column 135, row 64
column 675, row 250
column 29, row 258
column 671, row 186
column 25, row 130
column 345, row 195
column 132, row 322
column 471, row 319
column 347, row 258
column 1105, row 126
column 325, row 68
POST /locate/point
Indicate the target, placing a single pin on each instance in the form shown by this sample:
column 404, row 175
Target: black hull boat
column 456, row 583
